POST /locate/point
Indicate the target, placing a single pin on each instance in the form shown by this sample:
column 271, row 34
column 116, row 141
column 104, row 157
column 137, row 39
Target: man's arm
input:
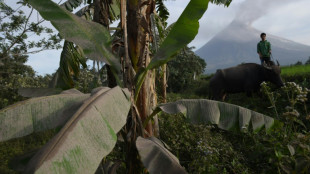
column 269, row 48
column 258, row 51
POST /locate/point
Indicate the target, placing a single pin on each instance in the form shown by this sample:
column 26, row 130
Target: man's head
column 263, row 36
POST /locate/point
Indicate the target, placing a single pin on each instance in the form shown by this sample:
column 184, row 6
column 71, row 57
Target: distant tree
column 298, row 63
column 16, row 29
column 15, row 45
column 184, row 69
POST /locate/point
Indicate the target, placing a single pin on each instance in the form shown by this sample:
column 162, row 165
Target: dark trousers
column 265, row 59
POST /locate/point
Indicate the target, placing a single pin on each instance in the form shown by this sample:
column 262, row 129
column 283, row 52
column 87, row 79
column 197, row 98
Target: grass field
column 295, row 69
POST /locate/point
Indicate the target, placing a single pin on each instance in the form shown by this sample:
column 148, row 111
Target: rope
column 271, row 56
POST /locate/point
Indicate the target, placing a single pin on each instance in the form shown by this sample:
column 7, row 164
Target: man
column 264, row 49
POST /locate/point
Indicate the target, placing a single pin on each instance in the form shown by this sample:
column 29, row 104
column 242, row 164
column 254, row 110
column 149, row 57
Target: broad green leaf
column 156, row 158
column 87, row 137
column 94, row 39
column 226, row 116
column 181, row 34
column 38, row 114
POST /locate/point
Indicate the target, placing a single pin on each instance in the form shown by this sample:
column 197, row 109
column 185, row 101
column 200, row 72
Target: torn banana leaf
column 87, row 137
column 225, row 116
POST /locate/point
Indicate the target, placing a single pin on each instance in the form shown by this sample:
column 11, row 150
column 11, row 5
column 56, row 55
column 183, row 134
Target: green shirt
column 264, row 47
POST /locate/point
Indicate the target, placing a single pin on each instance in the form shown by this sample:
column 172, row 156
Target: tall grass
column 295, row 70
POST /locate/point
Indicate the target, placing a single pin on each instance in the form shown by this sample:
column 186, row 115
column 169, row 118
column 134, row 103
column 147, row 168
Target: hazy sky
column 283, row 18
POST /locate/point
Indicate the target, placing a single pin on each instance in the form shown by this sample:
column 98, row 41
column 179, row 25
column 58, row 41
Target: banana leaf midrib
column 73, row 120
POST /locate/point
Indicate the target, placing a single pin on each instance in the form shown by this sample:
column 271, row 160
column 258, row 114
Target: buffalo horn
column 278, row 63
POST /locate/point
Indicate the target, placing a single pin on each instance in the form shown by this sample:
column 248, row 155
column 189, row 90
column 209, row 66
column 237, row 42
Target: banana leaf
column 94, row 39
column 38, row 114
column 225, row 116
column 87, row 137
column 156, row 158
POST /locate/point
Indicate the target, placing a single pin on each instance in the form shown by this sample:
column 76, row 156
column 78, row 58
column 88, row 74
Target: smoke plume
column 251, row 10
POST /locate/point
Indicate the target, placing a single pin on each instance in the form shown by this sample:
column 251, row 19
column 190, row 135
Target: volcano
column 237, row 44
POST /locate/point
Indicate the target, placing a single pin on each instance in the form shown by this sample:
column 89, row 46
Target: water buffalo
column 243, row 78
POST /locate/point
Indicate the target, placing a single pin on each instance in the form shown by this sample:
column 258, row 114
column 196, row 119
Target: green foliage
column 184, row 70
column 286, row 147
column 9, row 150
column 12, row 82
column 295, row 70
column 271, row 96
column 200, row 148
column 90, row 78
column 284, row 150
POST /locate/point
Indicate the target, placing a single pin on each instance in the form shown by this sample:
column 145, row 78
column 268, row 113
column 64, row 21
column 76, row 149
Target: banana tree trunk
column 139, row 38
column 164, row 83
